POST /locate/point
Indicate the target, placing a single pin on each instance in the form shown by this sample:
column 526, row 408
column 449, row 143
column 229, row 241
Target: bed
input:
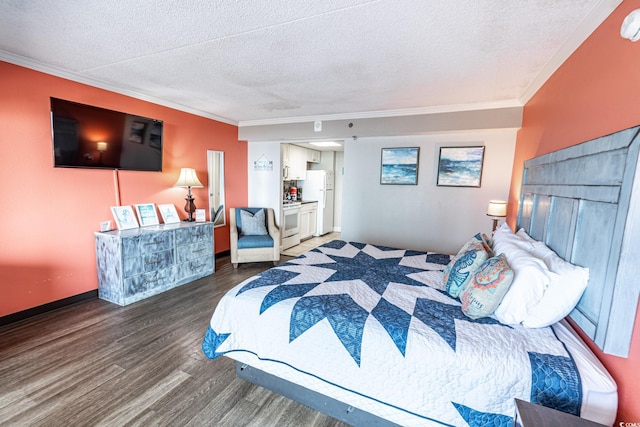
column 374, row 329
column 372, row 335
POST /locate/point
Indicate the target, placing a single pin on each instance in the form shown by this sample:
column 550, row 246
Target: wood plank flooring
column 98, row 364
column 309, row 244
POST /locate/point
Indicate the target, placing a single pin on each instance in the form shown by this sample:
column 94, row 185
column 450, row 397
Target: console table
column 138, row 263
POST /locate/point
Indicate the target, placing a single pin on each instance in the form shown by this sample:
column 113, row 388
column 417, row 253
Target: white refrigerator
column 319, row 186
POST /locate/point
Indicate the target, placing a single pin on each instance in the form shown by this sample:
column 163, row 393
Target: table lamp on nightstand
column 188, row 178
column 497, row 209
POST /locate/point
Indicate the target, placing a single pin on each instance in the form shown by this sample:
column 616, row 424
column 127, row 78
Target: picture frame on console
column 147, row 214
column 124, row 217
column 169, row 213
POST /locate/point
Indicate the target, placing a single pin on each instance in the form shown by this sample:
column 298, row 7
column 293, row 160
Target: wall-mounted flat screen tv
column 85, row 136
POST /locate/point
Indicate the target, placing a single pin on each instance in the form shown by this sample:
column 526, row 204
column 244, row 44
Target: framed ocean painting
column 399, row 166
column 460, row 166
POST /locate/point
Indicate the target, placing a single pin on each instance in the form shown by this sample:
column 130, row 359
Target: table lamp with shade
column 188, row 179
column 497, row 209
column 101, row 147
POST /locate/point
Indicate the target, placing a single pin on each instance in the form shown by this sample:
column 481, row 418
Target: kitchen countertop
column 297, row 202
column 290, row 203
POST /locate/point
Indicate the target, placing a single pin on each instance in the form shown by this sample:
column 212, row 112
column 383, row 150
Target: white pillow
column 531, row 278
column 253, row 224
column 566, row 285
column 503, row 234
column 563, row 293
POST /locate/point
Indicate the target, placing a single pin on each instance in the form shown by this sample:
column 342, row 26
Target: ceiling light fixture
column 326, row 144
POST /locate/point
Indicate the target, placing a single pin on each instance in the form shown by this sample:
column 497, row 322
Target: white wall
column 423, row 216
column 265, row 187
column 339, row 191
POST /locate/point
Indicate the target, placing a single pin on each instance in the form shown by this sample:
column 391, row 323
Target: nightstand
column 531, row 415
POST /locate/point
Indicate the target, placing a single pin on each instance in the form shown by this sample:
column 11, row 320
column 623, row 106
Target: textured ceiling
column 280, row 60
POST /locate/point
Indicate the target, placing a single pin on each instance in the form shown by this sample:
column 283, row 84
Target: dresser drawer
column 130, row 247
column 196, row 268
column 147, row 282
column 157, row 260
column 132, row 265
column 143, row 263
column 190, row 235
column 155, row 242
column 194, row 250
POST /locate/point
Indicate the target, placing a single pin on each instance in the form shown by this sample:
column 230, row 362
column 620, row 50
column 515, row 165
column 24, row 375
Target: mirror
column 215, row 167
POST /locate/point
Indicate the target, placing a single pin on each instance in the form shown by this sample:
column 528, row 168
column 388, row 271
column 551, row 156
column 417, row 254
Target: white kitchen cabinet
column 308, row 216
column 313, row 156
column 284, row 149
column 294, row 162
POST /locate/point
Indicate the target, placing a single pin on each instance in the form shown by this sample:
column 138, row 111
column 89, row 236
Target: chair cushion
column 250, row 242
column 253, row 223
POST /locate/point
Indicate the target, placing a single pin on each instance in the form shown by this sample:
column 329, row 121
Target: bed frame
column 583, row 202
column 320, row 402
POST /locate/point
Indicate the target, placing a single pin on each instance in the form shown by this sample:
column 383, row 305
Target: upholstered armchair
column 255, row 237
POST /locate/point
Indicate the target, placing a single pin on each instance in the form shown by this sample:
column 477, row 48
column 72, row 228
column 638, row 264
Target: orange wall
column 49, row 214
column 594, row 93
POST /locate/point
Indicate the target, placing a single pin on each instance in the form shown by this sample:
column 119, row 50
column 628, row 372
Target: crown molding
column 79, row 78
column 385, row 113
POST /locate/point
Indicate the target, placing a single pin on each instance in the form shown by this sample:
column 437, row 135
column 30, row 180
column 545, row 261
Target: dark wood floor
column 95, row 363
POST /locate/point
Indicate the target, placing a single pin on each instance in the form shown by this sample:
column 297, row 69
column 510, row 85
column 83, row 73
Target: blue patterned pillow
column 253, row 224
column 483, row 294
column 464, row 266
column 478, row 238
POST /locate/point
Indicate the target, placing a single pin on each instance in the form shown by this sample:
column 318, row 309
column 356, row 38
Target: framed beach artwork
column 460, row 166
column 169, row 213
column 136, row 133
column 124, row 216
column 147, row 214
column 399, row 166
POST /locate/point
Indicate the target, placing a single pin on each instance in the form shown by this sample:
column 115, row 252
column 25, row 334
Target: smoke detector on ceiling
column 630, row 28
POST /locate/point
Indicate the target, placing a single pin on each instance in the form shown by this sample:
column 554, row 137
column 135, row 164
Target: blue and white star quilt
column 375, row 326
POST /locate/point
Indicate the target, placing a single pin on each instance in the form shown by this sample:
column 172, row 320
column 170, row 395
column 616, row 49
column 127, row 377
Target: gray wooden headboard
column 583, row 202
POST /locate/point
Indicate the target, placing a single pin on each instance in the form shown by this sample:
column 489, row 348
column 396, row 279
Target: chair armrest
column 273, row 229
column 233, row 228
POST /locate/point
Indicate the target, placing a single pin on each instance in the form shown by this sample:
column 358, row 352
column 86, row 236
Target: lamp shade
column 101, row 146
column 188, row 178
column 497, row 208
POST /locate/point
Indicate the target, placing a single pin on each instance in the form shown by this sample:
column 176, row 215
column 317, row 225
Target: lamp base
column 190, row 208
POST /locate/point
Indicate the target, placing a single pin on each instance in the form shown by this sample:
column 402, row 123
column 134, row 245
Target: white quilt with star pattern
column 375, row 326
